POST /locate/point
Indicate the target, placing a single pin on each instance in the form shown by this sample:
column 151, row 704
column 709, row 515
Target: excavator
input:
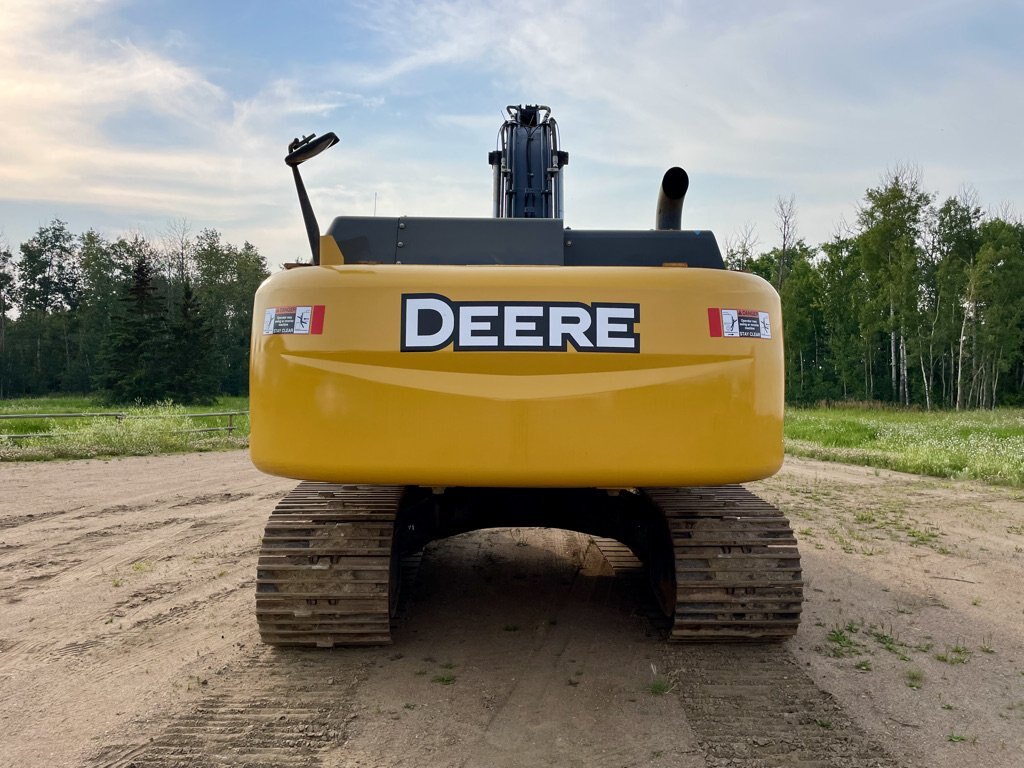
column 425, row 377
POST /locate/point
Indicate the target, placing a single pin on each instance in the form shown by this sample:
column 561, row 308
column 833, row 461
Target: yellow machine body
column 692, row 403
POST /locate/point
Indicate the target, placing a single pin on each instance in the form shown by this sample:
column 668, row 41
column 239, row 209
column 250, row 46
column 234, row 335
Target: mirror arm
column 312, row 229
column 300, row 150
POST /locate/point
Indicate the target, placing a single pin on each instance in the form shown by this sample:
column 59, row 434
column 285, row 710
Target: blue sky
column 128, row 116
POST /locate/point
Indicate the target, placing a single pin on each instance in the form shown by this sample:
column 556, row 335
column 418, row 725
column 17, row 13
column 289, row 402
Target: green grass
column 957, row 654
column 978, row 445
column 660, row 687
column 841, row 638
column 91, row 404
column 915, row 679
column 144, row 431
column 890, row 642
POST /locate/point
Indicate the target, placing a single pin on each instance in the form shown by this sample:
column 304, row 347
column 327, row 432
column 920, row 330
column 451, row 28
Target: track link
column 326, row 574
column 737, row 567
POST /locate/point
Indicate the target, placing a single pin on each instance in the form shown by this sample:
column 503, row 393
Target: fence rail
column 121, row 417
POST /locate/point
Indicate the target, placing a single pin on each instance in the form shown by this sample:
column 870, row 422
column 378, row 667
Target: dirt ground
column 127, row 637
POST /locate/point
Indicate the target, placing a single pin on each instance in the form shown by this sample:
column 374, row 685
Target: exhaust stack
column 670, row 199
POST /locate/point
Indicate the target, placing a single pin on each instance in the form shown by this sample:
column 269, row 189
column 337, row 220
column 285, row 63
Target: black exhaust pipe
column 670, row 199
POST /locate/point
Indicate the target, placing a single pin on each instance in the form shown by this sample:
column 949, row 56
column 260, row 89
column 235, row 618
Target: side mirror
column 300, row 150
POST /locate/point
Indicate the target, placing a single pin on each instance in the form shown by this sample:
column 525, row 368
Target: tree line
column 917, row 303
column 130, row 319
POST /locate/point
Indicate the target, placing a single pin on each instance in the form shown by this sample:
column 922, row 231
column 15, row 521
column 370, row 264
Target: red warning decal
column 294, row 320
column 739, row 323
column 316, row 325
column 715, row 321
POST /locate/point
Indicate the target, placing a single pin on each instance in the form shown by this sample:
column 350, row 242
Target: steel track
column 325, row 575
column 727, row 567
column 737, row 567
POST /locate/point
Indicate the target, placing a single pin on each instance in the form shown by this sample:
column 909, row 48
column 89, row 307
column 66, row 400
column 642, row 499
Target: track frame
column 723, row 563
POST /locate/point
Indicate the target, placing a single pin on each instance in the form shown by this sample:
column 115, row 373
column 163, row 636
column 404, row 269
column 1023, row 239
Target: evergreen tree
column 134, row 365
column 227, row 281
column 192, row 377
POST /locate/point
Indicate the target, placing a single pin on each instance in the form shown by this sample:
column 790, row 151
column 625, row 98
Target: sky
column 133, row 117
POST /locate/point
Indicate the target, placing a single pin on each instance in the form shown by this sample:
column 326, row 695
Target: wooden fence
column 121, row 417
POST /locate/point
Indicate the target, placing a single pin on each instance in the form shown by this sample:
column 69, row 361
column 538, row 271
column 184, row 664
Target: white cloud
column 58, row 86
column 63, row 88
column 754, row 100
column 759, row 96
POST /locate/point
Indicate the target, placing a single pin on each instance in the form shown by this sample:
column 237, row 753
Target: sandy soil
column 127, row 637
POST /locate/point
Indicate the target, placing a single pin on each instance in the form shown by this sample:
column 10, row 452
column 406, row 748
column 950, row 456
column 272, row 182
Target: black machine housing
column 527, row 227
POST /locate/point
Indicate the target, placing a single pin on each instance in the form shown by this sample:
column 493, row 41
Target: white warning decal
column 294, row 320
column 739, row 323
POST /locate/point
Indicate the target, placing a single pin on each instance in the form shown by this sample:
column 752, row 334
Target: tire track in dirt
column 51, row 560
column 45, row 560
column 272, row 709
column 121, row 651
column 568, row 671
column 150, row 565
column 178, row 613
column 753, row 706
column 9, row 523
column 520, row 649
column 212, row 498
column 551, row 656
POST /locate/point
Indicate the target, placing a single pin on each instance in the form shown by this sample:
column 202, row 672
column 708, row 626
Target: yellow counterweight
column 517, row 376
